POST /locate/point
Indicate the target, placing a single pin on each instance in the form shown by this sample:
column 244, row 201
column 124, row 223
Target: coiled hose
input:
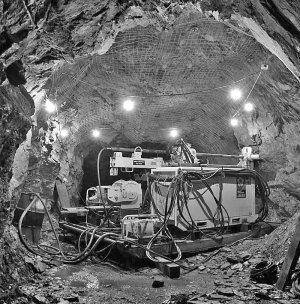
column 264, row 272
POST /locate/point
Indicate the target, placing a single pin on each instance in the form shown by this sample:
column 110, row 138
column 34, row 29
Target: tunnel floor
column 214, row 280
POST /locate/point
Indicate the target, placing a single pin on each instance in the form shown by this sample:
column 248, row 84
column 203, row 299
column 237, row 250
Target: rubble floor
column 215, row 281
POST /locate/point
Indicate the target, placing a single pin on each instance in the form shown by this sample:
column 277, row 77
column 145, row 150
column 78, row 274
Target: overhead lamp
column 236, row 94
column 50, row 106
column 234, row 122
column 174, row 133
column 64, row 133
column 128, row 105
column 248, row 106
column 96, row 133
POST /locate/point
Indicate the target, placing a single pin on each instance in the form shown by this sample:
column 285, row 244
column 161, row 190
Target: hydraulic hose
column 79, row 258
column 167, row 214
column 261, row 189
column 94, row 229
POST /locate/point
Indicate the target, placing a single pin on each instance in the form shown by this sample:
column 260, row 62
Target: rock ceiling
column 180, row 78
column 177, row 60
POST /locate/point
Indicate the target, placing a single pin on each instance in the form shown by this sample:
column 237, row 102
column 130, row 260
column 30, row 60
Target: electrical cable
column 181, row 213
column 195, row 92
column 94, row 229
column 192, row 225
column 98, row 174
column 107, row 255
column 175, row 179
column 219, row 211
column 261, row 187
column 248, row 94
column 165, row 228
column 188, row 151
column 159, row 255
column 169, row 95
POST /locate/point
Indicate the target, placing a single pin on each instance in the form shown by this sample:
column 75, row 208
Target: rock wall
column 14, row 127
column 275, row 24
column 37, row 37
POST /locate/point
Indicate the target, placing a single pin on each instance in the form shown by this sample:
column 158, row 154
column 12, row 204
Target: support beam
column 291, row 258
column 172, row 270
column 62, row 194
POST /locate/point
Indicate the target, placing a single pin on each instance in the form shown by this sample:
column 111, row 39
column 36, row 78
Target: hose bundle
column 56, row 253
column 185, row 152
column 180, row 186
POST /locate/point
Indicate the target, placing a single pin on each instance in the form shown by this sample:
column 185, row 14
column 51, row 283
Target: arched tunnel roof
column 178, row 78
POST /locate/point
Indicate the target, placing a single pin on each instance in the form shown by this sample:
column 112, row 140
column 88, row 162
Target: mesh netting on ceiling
column 175, row 76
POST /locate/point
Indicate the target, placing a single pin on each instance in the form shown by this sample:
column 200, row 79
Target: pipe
column 187, row 165
column 219, row 155
column 132, row 150
column 220, row 166
column 79, row 229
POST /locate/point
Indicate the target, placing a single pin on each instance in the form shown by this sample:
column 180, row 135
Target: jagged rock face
column 14, row 126
column 137, row 62
column 150, row 49
column 88, row 56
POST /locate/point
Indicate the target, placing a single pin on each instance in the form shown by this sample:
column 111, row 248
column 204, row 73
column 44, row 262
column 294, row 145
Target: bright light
column 234, row 122
column 248, row 107
column 50, row 106
column 236, row 94
column 96, row 133
column 64, row 133
column 174, row 133
column 128, row 105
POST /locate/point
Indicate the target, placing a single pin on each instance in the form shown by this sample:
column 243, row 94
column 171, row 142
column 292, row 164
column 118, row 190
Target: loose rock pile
column 233, row 284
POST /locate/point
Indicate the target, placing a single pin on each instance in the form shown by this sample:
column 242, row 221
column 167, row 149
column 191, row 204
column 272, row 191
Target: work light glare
column 96, row 133
column 235, row 94
column 174, row 133
column 234, row 122
column 50, row 106
column 128, row 105
column 248, row 107
column 64, row 133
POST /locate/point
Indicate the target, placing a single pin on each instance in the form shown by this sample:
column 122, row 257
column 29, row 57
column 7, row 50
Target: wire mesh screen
column 177, row 79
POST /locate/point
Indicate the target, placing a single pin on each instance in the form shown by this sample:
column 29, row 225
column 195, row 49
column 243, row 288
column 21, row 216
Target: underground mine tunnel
column 149, row 151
